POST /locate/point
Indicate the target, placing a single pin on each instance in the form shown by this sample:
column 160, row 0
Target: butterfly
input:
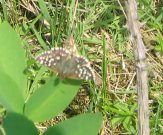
column 66, row 64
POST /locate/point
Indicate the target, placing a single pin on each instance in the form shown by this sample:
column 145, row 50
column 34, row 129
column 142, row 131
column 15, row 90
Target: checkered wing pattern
column 66, row 65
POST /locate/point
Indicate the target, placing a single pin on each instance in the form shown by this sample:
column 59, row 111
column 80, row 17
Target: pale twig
column 133, row 26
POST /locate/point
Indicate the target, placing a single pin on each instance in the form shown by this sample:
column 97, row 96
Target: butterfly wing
column 82, row 69
column 54, row 59
column 71, row 66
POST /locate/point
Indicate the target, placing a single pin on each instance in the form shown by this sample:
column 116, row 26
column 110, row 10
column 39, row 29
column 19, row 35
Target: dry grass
column 104, row 22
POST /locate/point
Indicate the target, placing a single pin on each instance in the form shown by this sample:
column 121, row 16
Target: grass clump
column 99, row 34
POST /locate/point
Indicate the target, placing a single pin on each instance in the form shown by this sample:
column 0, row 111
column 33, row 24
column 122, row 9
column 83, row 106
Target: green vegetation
column 33, row 95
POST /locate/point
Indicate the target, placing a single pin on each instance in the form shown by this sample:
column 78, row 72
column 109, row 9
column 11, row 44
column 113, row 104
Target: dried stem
column 141, row 66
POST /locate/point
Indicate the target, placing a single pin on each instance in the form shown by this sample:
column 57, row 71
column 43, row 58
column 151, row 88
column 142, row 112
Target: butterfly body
column 67, row 65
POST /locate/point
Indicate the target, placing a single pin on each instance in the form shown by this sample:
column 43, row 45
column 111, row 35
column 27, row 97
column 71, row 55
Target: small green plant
column 24, row 107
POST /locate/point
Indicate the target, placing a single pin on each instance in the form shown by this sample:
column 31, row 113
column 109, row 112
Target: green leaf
column 85, row 124
column 51, row 99
column 122, row 108
column 117, row 120
column 133, row 108
column 4, row 6
column 37, row 34
column 44, row 10
column 127, row 122
column 12, row 57
column 16, row 124
column 10, row 96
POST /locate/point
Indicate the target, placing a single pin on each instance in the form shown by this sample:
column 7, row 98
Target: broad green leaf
column 16, row 124
column 51, row 99
column 12, row 57
column 85, row 124
column 10, row 96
